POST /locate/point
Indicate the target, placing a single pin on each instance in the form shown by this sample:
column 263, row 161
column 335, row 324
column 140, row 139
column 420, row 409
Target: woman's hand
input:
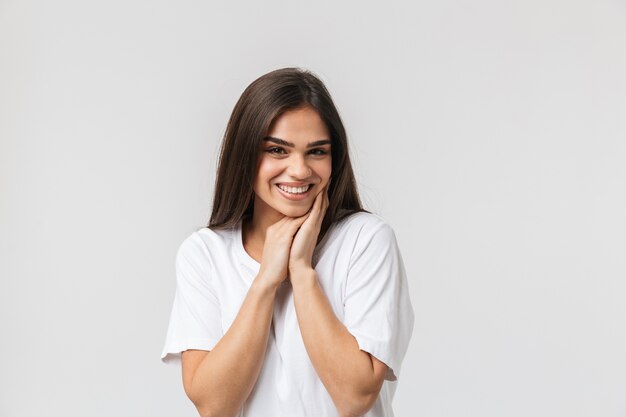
column 278, row 242
column 306, row 238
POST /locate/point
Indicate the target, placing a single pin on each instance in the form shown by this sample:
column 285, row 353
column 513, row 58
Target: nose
column 298, row 168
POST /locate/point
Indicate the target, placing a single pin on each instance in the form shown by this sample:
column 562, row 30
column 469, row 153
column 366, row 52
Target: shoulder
column 362, row 232
column 363, row 225
column 204, row 245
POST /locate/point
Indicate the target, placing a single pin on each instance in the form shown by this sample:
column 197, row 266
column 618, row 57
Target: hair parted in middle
column 268, row 97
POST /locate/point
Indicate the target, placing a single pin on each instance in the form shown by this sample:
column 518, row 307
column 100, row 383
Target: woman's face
column 294, row 165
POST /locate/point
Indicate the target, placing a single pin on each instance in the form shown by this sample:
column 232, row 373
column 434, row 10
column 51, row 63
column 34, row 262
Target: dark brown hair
column 260, row 104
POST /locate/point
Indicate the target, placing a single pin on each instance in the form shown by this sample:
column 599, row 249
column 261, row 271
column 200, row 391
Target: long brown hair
column 260, row 104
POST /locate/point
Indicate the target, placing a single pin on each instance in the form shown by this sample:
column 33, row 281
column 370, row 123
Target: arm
column 218, row 382
column 352, row 377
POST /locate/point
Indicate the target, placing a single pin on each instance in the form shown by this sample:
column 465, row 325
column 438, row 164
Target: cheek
column 323, row 170
column 266, row 169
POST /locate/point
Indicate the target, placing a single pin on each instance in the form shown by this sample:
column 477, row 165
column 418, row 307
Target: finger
column 291, row 221
column 317, row 205
column 324, row 208
column 324, row 200
column 280, row 222
column 317, row 211
column 295, row 223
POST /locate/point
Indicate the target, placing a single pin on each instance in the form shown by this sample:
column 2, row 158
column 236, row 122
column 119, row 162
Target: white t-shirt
column 360, row 269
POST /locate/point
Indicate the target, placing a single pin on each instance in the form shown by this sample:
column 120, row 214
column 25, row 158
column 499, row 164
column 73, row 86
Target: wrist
column 263, row 285
column 300, row 267
column 302, row 273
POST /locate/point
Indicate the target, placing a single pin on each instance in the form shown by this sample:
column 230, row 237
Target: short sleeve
column 377, row 307
column 195, row 321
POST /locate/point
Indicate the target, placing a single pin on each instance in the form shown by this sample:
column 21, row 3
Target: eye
column 319, row 152
column 275, row 150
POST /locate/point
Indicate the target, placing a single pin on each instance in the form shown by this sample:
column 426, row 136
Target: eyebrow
column 291, row 145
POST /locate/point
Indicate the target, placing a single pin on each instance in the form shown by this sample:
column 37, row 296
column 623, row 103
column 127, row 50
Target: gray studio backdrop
column 490, row 134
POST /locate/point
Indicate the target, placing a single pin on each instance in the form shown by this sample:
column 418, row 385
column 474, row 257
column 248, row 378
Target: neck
column 262, row 217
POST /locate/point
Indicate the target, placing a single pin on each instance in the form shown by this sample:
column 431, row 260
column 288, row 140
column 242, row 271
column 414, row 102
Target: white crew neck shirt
column 359, row 268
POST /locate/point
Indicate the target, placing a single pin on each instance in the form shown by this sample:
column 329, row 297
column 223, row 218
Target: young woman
column 294, row 300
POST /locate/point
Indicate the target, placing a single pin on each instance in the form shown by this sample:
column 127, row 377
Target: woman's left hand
column 305, row 240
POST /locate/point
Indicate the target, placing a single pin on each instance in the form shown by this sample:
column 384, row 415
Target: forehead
column 299, row 126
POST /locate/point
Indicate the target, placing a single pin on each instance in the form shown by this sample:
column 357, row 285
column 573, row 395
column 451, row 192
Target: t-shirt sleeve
column 377, row 307
column 195, row 321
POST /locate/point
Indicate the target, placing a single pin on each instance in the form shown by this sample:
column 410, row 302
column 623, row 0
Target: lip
column 294, row 184
column 294, row 197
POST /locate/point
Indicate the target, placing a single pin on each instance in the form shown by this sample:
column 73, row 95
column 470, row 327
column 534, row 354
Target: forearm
column 227, row 374
column 345, row 370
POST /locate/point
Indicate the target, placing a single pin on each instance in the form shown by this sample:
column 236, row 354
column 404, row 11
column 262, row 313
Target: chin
column 294, row 211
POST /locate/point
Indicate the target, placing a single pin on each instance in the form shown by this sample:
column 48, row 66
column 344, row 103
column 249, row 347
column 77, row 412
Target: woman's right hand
column 275, row 257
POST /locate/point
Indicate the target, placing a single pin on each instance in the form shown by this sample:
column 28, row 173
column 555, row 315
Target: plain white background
column 490, row 134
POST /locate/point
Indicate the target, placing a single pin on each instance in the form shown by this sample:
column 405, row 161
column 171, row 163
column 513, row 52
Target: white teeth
column 294, row 190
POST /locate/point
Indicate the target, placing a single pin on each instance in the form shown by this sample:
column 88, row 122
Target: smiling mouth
column 295, row 190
